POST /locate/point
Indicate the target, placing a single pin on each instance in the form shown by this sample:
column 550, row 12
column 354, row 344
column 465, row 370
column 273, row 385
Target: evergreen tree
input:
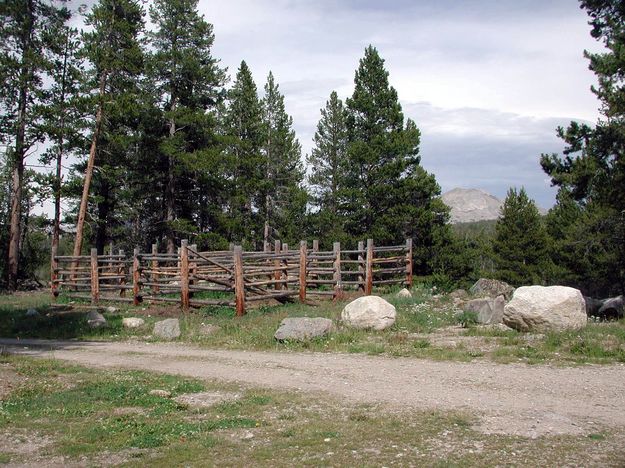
column 28, row 30
column 284, row 197
column 189, row 85
column 389, row 196
column 243, row 133
column 592, row 170
column 328, row 163
column 521, row 242
column 113, row 48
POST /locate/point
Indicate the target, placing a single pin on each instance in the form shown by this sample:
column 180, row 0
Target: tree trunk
column 84, row 201
column 18, row 165
column 170, row 191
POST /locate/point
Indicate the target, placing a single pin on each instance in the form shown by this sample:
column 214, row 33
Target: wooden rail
column 238, row 277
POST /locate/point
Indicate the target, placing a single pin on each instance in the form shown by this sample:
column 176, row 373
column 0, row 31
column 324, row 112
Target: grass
column 91, row 417
column 422, row 330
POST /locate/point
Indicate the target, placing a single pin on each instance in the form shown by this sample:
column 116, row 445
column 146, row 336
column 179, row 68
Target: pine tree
column 243, row 133
column 521, row 242
column 28, row 30
column 389, row 196
column 189, row 84
column 328, row 163
column 284, row 197
column 113, row 48
column 592, row 170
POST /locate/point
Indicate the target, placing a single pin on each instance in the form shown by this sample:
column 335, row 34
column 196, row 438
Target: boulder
column 32, row 313
column 302, row 328
column 542, row 309
column 592, row 306
column 168, row 329
column 369, row 312
column 611, row 308
column 132, row 322
column 488, row 310
column 95, row 319
column 404, row 293
column 492, row 288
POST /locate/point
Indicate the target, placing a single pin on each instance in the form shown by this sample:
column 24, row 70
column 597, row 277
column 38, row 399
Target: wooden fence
column 238, row 277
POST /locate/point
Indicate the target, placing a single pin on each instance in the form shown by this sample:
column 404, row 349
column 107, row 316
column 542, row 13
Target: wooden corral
column 277, row 273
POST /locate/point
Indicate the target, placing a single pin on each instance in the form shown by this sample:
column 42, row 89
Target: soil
column 514, row 399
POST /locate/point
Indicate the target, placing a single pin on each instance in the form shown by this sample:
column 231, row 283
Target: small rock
column 132, row 322
column 160, row 393
column 204, row 399
column 32, row 313
column 303, row 328
column 111, row 309
column 458, row 294
column 404, row 293
column 247, row 435
column 95, row 319
column 369, row 312
column 168, row 329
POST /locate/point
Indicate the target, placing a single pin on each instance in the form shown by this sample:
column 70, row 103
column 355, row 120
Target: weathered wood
column 184, row 274
column 285, row 265
column 155, row 289
column 338, row 286
column 361, row 265
column 121, row 270
column 302, row 270
column 95, row 280
column 135, row 277
column 409, row 263
column 277, row 274
column 239, row 284
column 369, row 268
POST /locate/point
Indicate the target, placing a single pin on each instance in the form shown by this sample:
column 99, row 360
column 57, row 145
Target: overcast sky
column 486, row 81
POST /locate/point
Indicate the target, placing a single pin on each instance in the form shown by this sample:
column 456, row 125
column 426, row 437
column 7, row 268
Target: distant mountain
column 469, row 205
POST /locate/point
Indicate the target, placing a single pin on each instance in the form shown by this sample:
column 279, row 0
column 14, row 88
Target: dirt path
column 512, row 399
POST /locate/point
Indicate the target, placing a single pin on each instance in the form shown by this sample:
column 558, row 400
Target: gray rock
column 111, row 309
column 160, row 393
column 32, row 313
column 168, row 329
column 303, row 328
column 611, row 308
column 592, row 306
column 205, row 399
column 132, row 322
column 95, row 319
column 458, row 294
column 369, row 312
column 542, row 309
column 492, row 288
column 404, row 293
column 488, row 310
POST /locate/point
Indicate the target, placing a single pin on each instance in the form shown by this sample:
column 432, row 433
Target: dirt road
column 511, row 399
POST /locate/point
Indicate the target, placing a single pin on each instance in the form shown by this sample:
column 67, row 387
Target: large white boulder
column 541, row 309
column 369, row 312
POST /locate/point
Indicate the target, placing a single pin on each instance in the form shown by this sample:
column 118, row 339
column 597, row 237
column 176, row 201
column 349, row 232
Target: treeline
column 168, row 148
column 149, row 139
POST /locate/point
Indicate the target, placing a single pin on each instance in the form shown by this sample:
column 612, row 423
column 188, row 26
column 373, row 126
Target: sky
column 487, row 82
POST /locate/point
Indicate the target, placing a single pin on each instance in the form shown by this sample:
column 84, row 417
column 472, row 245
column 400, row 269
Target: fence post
column 155, row 276
column 54, row 267
column 135, row 277
column 239, row 285
column 409, row 263
column 338, row 287
column 361, row 266
column 95, row 278
column 285, row 266
column 276, row 265
column 184, row 274
column 302, row 270
column 369, row 268
column 121, row 271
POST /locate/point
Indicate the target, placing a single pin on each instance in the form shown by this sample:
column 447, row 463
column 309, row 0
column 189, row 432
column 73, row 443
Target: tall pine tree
column 328, row 163
column 284, row 198
column 28, row 31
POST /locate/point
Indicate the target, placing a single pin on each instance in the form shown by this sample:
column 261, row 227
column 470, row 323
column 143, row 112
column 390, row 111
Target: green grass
column 91, row 417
